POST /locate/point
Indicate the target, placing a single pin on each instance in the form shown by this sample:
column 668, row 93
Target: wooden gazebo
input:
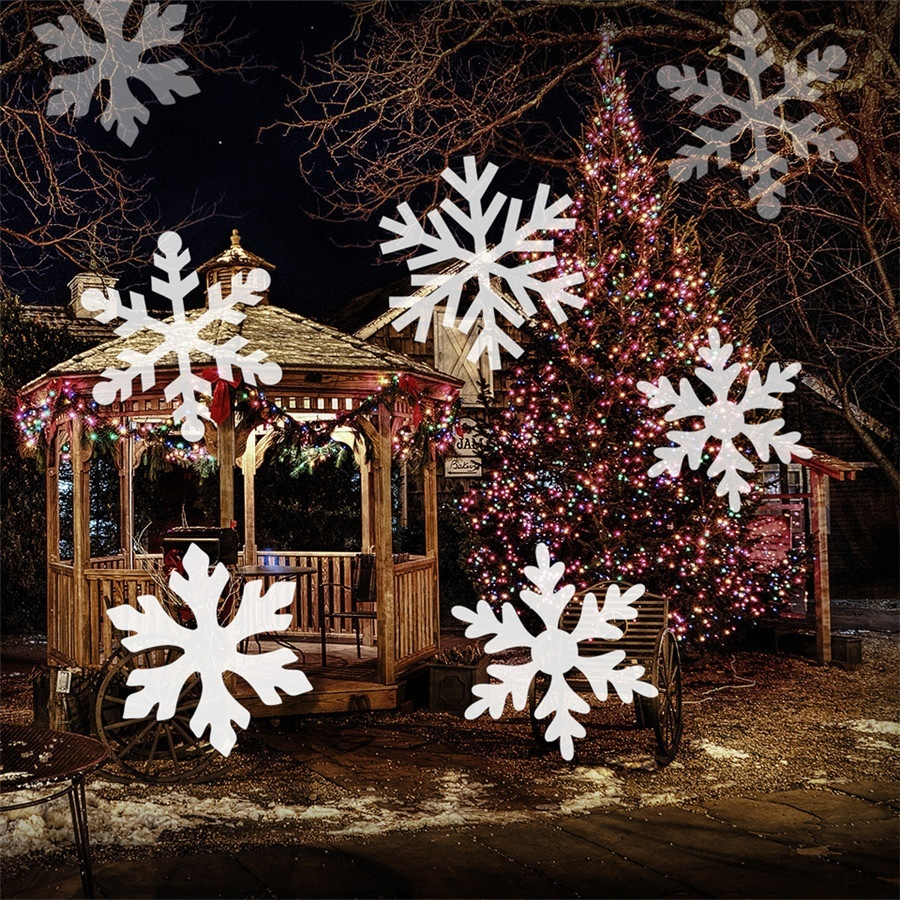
column 325, row 374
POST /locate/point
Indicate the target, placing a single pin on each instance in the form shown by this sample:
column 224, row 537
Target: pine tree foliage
column 571, row 450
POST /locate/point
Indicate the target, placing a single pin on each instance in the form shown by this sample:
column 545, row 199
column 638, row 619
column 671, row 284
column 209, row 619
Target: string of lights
column 430, row 425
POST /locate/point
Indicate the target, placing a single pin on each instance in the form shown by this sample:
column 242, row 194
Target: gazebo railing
column 87, row 638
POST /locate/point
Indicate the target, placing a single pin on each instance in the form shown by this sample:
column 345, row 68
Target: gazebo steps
column 333, row 692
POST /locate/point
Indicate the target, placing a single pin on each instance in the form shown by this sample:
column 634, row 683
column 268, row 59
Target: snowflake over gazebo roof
column 295, row 342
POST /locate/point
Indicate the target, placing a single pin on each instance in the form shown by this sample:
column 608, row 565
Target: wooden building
column 324, row 373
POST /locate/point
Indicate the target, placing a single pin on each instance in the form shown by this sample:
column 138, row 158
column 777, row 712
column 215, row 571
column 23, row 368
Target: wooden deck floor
column 345, row 684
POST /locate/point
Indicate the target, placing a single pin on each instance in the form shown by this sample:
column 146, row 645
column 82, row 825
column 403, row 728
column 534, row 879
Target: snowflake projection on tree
column 724, row 419
column 555, row 651
column 762, row 116
column 181, row 336
column 482, row 262
column 116, row 61
column 209, row 649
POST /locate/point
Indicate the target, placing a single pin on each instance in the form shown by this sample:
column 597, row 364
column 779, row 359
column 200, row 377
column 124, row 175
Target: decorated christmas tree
column 572, row 448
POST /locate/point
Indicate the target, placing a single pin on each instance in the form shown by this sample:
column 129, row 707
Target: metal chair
column 362, row 594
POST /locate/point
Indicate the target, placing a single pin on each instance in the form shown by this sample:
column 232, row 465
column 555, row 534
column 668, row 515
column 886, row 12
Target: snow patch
column 460, row 802
column 718, row 752
column 608, row 790
column 125, row 822
column 872, row 726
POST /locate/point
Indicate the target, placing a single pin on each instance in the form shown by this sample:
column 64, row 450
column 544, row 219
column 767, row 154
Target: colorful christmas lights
column 430, row 424
column 567, row 462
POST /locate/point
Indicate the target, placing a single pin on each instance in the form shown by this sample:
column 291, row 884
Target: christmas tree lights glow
column 568, row 456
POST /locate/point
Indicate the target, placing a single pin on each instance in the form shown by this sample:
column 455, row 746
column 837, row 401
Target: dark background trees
column 415, row 86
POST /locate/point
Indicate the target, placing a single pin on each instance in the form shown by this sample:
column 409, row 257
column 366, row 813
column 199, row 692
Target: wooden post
column 81, row 616
column 225, row 449
column 384, row 551
column 367, row 509
column 429, row 490
column 818, row 484
column 248, row 465
column 404, row 494
column 125, row 463
column 52, row 510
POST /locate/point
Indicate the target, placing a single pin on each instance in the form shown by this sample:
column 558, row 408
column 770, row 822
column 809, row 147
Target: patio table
column 34, row 758
column 245, row 573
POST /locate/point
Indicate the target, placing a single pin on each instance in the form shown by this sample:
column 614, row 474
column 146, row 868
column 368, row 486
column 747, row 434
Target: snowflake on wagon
column 555, row 651
column 116, row 61
column 482, row 262
column 724, row 419
column 764, row 116
column 182, row 335
column 209, row 649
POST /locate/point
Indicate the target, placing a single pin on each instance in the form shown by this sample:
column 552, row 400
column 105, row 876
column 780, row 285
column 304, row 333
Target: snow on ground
column 125, row 822
column 872, row 726
column 601, row 787
column 717, row 752
column 459, row 801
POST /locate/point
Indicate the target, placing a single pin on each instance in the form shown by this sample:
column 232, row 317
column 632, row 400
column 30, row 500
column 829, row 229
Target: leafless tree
column 415, row 86
column 68, row 190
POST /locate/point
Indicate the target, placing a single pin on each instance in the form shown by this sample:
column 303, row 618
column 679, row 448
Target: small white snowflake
column 555, row 651
column 724, row 419
column 181, row 336
column 762, row 115
column 209, row 649
column 482, row 262
column 116, row 61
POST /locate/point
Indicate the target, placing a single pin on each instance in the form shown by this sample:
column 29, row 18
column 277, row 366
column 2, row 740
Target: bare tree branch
column 65, row 193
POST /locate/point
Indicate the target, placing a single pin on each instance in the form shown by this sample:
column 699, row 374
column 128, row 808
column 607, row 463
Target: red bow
column 220, row 408
column 409, row 384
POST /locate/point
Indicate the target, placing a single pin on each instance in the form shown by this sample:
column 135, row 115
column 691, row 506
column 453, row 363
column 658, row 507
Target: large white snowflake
column 181, row 335
column 482, row 262
column 555, row 651
column 116, row 61
column 209, row 649
column 763, row 116
column 724, row 419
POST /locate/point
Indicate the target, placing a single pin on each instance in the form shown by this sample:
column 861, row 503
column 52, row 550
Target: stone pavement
column 802, row 843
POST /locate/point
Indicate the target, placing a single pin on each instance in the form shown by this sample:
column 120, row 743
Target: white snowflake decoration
column 555, row 651
column 724, row 419
column 181, row 336
column 116, row 61
column 209, row 649
column 482, row 262
column 761, row 115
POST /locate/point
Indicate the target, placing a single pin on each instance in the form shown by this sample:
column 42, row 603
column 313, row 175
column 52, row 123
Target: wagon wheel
column 665, row 714
column 536, row 692
column 160, row 752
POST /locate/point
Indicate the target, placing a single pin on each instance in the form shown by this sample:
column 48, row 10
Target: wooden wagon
column 649, row 642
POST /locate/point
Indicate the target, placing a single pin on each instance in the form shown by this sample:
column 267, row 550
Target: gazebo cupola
column 232, row 261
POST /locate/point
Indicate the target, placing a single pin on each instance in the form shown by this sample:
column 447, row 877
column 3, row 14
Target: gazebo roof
column 295, row 342
column 236, row 256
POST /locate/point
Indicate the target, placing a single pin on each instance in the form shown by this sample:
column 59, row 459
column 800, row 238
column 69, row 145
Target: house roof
column 839, row 469
column 293, row 341
column 367, row 313
column 84, row 330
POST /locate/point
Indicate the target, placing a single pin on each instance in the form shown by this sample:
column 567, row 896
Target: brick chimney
column 84, row 281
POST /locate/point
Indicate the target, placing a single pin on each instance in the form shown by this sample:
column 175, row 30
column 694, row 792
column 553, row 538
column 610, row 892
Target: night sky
column 206, row 150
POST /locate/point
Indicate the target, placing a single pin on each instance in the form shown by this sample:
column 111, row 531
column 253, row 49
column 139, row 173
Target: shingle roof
column 291, row 340
column 367, row 313
column 86, row 331
column 235, row 255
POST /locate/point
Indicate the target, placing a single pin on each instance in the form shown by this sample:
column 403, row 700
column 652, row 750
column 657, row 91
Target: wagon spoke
column 138, row 737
